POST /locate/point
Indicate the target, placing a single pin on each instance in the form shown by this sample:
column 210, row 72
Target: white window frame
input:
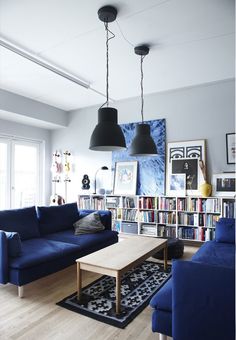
column 11, row 141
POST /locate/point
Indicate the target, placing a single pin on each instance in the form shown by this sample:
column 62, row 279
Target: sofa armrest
column 3, row 258
column 105, row 216
column 203, row 301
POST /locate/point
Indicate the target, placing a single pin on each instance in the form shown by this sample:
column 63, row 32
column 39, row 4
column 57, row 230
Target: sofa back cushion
column 57, row 218
column 225, row 230
column 24, row 221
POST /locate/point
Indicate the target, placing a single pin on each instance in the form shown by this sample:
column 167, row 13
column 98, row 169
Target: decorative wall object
column 230, row 148
column 151, row 170
column 223, row 184
column 125, row 181
column 183, row 157
column 178, row 184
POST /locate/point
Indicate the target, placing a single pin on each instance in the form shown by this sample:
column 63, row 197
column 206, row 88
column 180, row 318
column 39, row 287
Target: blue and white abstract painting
column 151, row 170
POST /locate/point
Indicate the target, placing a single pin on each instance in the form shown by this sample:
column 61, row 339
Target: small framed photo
column 125, row 178
column 189, row 167
column 223, row 184
column 178, row 184
column 230, row 148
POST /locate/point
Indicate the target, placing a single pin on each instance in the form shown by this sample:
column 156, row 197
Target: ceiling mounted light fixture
column 142, row 144
column 107, row 135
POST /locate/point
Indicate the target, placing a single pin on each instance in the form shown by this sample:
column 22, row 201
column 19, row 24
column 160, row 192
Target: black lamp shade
column 143, row 144
column 107, row 135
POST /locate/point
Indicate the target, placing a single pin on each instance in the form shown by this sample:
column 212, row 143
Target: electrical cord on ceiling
column 107, row 62
column 128, row 41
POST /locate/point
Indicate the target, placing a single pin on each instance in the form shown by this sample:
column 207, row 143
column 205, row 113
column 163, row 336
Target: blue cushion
column 215, row 253
column 40, row 250
column 24, row 221
column 13, row 244
column 225, row 231
column 57, row 218
column 85, row 241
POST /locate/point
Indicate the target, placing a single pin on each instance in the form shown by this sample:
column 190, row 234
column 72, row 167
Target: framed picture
column 178, row 184
column 183, row 157
column 125, row 178
column 189, row 167
column 230, row 148
column 223, row 184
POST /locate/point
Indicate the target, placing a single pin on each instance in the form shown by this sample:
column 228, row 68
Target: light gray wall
column 9, row 128
column 203, row 112
column 22, row 109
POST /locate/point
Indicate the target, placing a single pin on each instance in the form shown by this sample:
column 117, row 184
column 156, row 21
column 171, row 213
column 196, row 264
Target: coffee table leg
column 118, row 288
column 79, row 281
column 165, row 256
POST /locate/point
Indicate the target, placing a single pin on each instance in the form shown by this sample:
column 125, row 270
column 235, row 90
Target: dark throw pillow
column 89, row 224
column 14, row 244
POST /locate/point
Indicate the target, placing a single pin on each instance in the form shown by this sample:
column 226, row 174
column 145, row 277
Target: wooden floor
column 38, row 317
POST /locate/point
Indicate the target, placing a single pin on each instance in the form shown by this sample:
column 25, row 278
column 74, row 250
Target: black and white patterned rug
column 137, row 288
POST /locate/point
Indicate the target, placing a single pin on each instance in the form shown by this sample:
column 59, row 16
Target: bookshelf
column 189, row 218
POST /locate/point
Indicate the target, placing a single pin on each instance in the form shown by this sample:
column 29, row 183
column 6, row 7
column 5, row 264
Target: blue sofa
column 197, row 303
column 35, row 242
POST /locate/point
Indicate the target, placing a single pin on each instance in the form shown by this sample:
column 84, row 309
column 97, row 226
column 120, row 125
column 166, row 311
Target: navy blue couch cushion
column 40, row 250
column 13, row 244
column 215, row 253
column 85, row 241
column 225, row 231
column 57, row 218
column 24, row 221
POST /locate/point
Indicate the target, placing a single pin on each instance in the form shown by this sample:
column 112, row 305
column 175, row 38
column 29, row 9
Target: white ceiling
column 192, row 43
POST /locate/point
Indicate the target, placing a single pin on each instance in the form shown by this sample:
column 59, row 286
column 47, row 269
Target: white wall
column 30, row 132
column 202, row 112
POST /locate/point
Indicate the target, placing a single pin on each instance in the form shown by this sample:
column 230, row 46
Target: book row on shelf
column 195, row 219
column 197, row 234
column 147, row 202
column 189, row 217
column 167, row 217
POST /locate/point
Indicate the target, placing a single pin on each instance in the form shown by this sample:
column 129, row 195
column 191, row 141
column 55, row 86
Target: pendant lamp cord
column 141, row 85
column 107, row 61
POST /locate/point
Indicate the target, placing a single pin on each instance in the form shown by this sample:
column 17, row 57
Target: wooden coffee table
column 118, row 258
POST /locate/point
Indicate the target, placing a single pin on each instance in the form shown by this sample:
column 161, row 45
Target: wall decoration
column 183, row 157
column 188, row 166
column 178, row 184
column 125, row 181
column 151, row 170
column 230, row 148
column 223, row 184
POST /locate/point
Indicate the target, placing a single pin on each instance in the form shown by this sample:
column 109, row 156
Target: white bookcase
column 189, row 218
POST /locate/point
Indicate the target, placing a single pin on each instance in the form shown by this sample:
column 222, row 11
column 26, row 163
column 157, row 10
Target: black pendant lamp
column 107, row 135
column 142, row 144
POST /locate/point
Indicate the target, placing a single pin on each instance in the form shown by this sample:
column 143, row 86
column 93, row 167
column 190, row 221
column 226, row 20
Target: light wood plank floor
column 37, row 317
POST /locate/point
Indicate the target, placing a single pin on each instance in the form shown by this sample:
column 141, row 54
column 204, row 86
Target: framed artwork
column 178, row 184
column 183, row 157
column 223, row 184
column 230, row 148
column 125, row 178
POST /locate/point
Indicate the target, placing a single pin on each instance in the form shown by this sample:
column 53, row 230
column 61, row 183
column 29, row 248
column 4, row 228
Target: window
column 20, row 173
